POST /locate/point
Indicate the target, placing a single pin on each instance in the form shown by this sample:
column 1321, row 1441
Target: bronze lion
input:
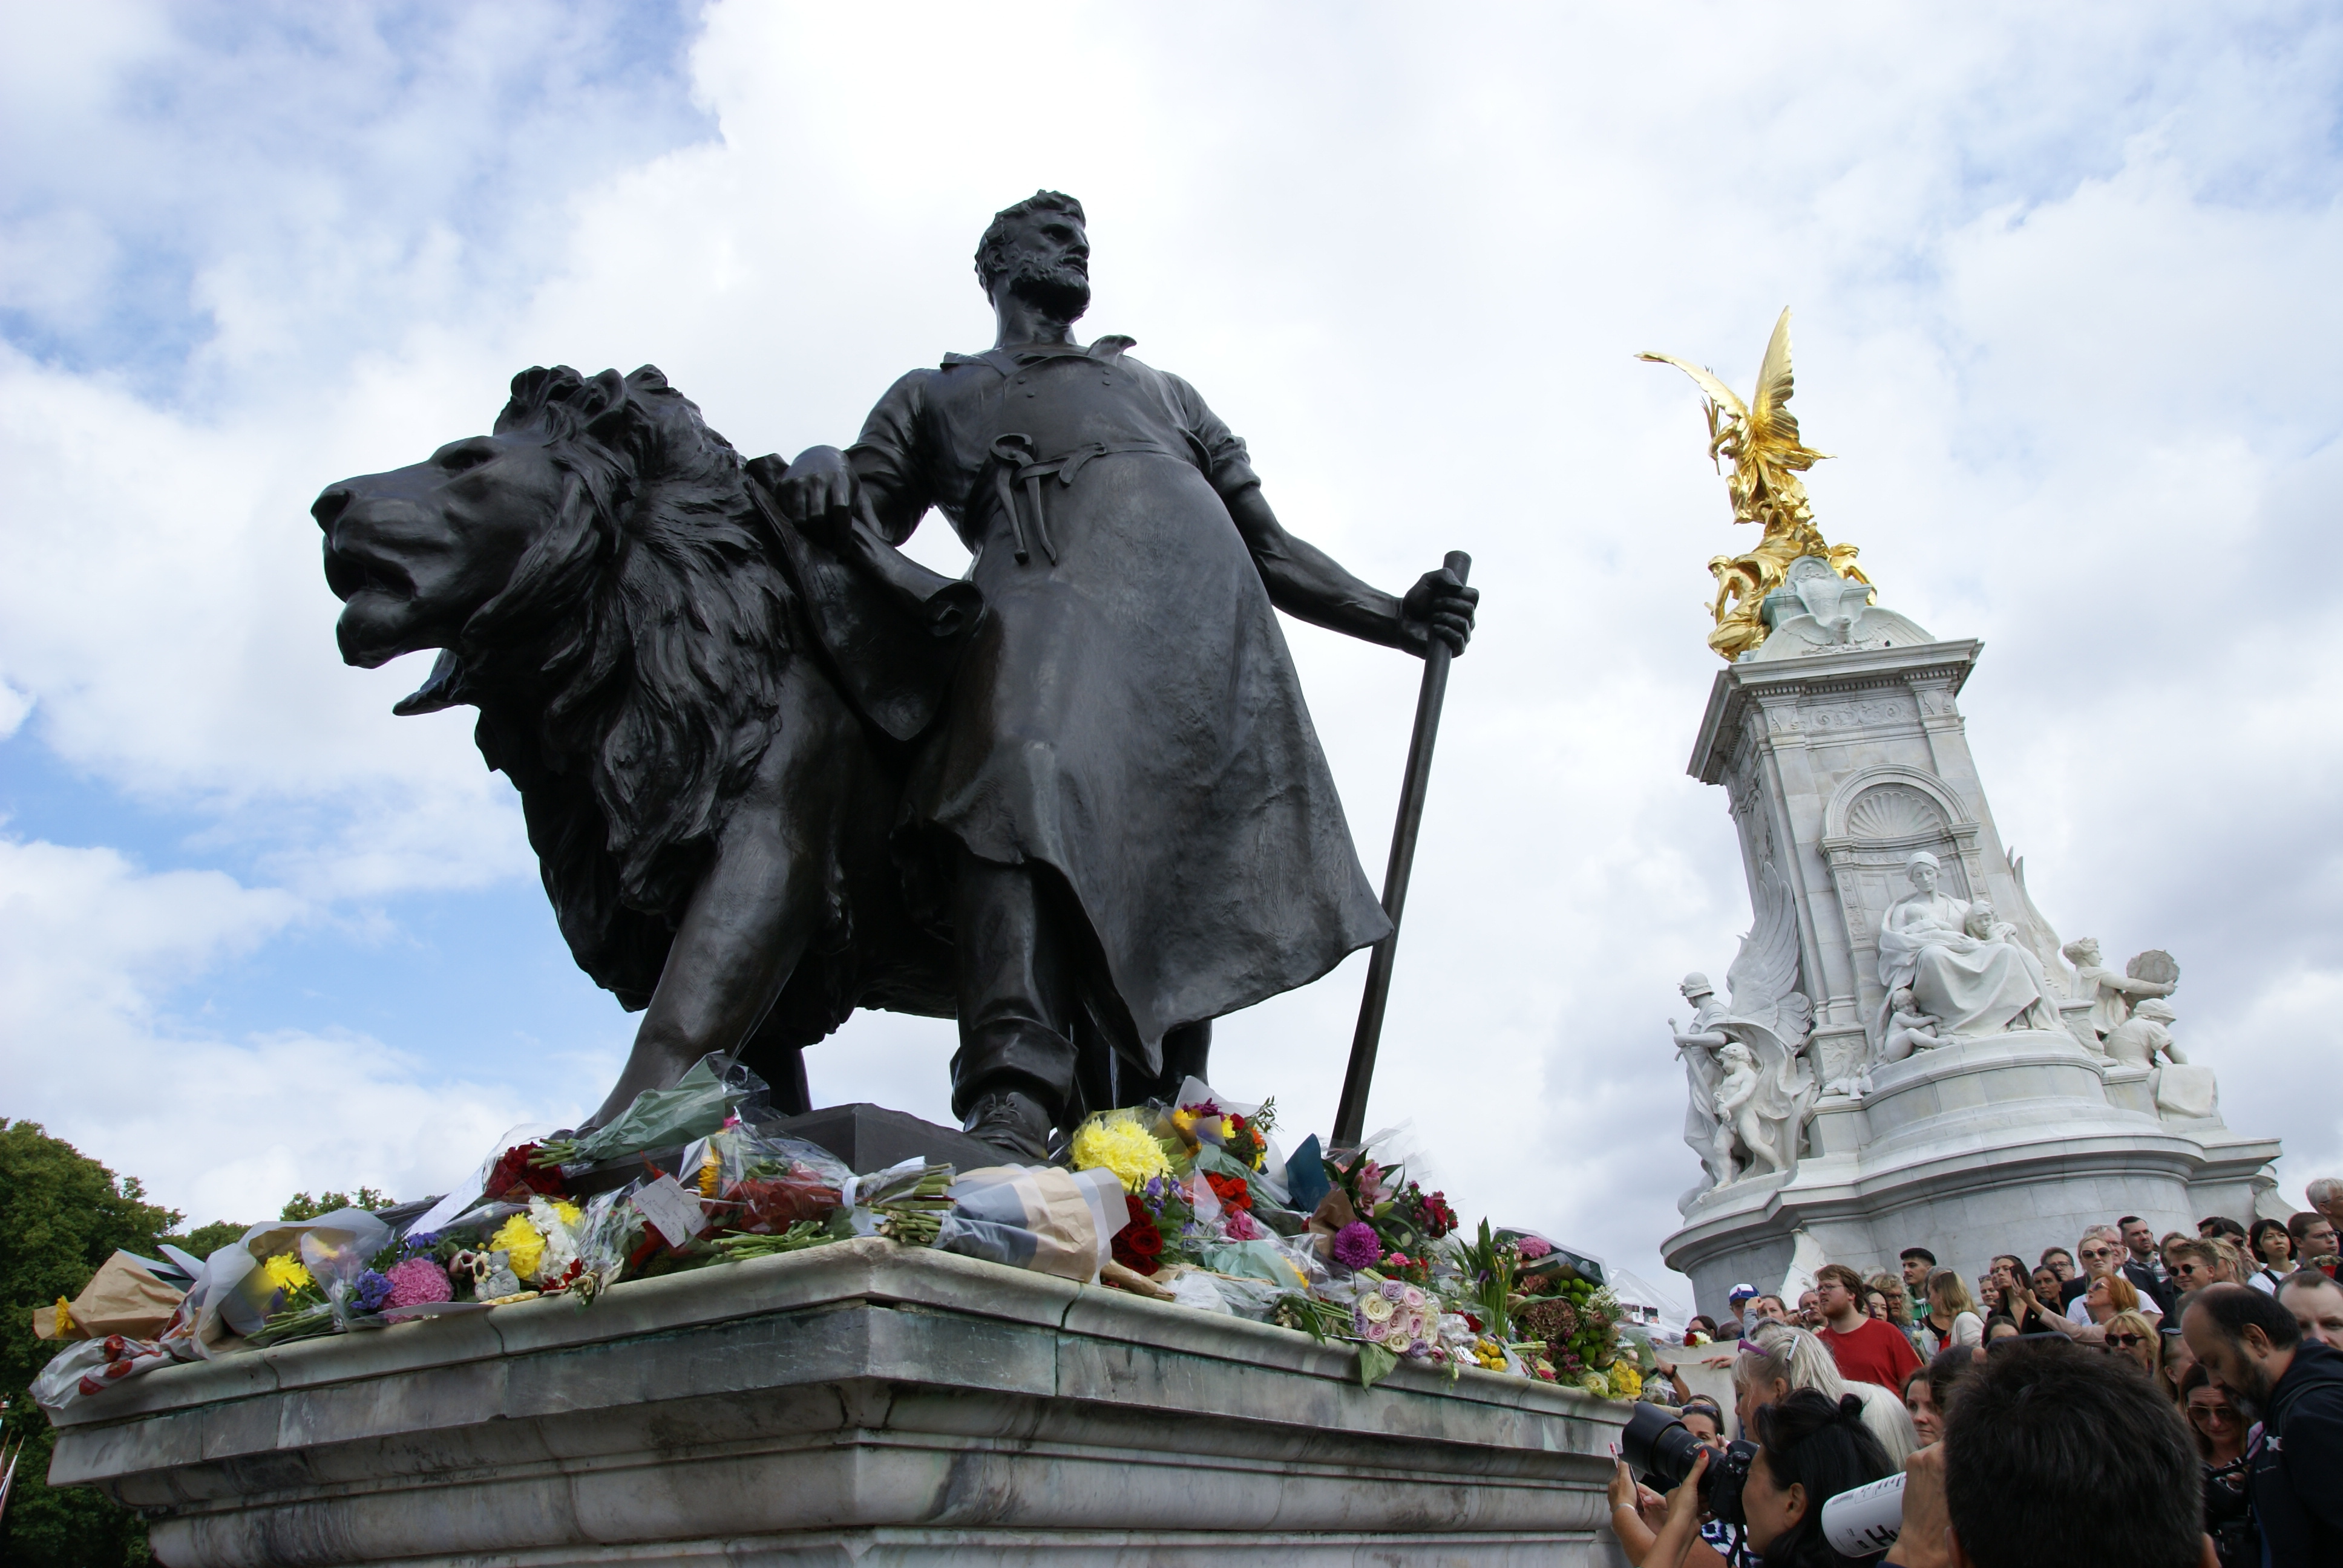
column 707, row 714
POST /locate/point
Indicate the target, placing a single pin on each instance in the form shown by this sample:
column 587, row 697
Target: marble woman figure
column 1974, row 984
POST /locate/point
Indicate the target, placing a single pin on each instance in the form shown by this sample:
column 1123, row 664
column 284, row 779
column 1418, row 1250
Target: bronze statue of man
column 1124, row 798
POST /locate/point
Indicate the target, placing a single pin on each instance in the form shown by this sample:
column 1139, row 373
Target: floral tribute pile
column 1190, row 1202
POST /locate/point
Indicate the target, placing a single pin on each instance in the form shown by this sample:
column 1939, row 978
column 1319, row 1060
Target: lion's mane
column 629, row 673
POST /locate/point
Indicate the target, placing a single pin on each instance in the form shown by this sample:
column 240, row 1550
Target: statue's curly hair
column 651, row 625
column 992, row 250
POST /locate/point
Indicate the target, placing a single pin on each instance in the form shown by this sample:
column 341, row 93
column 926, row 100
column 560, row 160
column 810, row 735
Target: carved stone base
column 856, row 1404
column 2007, row 1144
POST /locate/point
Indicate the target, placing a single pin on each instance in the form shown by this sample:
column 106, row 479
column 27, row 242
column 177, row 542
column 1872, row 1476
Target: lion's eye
column 466, row 455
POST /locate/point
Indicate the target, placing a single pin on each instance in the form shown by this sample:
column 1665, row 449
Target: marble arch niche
column 1874, row 822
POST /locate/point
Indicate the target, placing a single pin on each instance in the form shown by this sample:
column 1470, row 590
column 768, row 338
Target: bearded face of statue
column 1049, row 263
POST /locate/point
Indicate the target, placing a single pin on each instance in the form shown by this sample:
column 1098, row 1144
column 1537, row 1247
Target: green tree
column 301, row 1206
column 62, row 1214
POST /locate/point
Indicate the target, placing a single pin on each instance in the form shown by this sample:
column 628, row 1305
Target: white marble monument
column 1907, row 1057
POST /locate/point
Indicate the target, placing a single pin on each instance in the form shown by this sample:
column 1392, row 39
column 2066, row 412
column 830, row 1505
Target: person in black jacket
column 2143, row 1268
column 2255, row 1349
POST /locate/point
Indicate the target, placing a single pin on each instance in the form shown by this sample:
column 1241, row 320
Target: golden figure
column 1761, row 437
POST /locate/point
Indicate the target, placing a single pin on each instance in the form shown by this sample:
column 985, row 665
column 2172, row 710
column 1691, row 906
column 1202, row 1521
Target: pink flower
column 1241, row 1226
column 414, row 1282
column 1533, row 1248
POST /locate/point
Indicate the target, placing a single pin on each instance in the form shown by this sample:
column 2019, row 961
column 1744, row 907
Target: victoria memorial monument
column 1902, row 1048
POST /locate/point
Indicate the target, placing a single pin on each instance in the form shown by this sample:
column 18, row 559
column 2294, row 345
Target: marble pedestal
column 855, row 1404
column 2011, row 1143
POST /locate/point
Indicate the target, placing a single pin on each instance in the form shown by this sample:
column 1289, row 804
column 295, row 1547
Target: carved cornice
column 1773, row 681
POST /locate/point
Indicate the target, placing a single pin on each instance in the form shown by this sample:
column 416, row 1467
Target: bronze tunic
column 1128, row 712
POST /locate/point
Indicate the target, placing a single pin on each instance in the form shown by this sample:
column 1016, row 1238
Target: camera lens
column 1721, row 1483
column 1657, row 1443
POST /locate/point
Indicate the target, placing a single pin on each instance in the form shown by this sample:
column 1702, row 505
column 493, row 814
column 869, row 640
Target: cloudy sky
column 2066, row 313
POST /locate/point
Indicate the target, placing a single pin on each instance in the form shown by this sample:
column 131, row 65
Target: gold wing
column 1718, row 392
column 1772, row 428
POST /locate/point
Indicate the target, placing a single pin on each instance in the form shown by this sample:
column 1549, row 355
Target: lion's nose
column 329, row 504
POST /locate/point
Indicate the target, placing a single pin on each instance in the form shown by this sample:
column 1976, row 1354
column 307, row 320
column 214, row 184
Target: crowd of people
column 2142, row 1398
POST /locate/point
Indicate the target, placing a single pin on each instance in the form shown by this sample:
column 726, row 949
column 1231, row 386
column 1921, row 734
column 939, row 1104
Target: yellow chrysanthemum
column 523, row 1248
column 1121, row 1146
column 1626, row 1382
column 569, row 1213
column 285, row 1272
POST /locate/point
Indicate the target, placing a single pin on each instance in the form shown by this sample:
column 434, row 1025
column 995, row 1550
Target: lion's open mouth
column 350, row 571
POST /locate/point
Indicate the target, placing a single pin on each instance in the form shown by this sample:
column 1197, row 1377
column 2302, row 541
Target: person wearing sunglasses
column 2132, row 1338
column 2220, row 1435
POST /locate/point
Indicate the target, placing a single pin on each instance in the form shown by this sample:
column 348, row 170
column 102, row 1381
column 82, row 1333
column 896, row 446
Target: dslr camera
column 1658, row 1444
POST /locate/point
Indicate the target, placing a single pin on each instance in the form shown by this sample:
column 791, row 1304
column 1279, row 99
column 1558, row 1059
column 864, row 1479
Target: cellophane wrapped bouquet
column 1190, row 1202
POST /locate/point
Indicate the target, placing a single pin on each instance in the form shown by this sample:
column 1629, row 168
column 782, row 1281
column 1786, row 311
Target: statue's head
column 2082, row 951
column 1979, row 922
column 1041, row 251
column 1737, row 1054
column 1900, row 998
column 2155, row 1008
column 577, row 469
column 1921, row 867
column 1695, row 986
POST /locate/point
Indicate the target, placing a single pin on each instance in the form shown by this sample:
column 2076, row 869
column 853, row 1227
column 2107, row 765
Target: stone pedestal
column 2011, row 1143
column 854, row 1404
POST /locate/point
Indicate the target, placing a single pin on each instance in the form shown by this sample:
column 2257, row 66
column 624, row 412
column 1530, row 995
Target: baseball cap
column 1742, row 1293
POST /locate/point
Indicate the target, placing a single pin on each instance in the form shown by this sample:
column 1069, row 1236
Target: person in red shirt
column 1867, row 1350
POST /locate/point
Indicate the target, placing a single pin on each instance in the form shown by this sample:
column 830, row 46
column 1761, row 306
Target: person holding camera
column 1809, row 1449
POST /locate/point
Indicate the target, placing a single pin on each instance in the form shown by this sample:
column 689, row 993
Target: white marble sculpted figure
column 2112, row 992
column 1745, row 1058
column 2180, row 1087
column 1966, row 968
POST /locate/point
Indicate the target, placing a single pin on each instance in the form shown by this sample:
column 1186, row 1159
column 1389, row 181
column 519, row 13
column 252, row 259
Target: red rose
column 1139, row 1245
column 1233, row 1192
column 514, row 1172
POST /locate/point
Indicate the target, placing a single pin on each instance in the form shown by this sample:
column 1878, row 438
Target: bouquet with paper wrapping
column 1040, row 1218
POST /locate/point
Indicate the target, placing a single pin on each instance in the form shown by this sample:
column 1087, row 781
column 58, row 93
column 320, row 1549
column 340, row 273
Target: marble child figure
column 1908, row 1029
column 1123, row 817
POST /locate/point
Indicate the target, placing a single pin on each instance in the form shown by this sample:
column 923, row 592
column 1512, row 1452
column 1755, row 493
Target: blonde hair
column 2146, row 1331
column 1791, row 1354
column 1801, row 1361
column 1949, row 1293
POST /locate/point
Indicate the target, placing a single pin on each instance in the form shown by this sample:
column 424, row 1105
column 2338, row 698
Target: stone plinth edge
column 857, row 1402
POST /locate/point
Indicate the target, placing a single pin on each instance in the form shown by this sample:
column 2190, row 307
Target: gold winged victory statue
column 1761, row 437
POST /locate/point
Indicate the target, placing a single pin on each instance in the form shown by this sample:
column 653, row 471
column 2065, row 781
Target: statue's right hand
column 817, row 494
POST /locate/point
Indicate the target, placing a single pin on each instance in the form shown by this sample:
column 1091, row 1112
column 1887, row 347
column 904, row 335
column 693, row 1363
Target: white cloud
column 2061, row 285
column 88, row 943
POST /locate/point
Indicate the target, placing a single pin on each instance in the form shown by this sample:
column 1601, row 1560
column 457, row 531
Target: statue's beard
column 1060, row 292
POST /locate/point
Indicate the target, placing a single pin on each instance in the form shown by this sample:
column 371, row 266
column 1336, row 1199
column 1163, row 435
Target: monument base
column 853, row 1403
column 2010, row 1143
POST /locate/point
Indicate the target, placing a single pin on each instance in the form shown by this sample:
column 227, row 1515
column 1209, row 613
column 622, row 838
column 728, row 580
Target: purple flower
column 1355, row 1246
column 372, row 1290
